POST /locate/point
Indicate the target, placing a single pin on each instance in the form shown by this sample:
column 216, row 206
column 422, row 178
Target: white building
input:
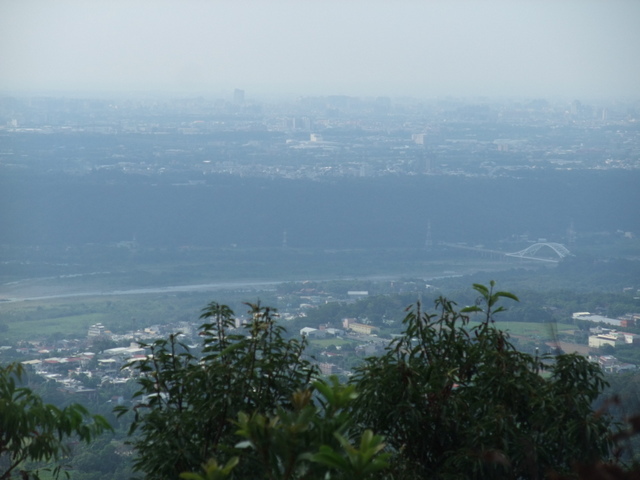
column 596, row 318
column 96, row 330
column 612, row 338
column 312, row 332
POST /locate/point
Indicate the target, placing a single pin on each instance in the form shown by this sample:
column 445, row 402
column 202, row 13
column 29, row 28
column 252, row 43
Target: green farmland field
column 73, row 325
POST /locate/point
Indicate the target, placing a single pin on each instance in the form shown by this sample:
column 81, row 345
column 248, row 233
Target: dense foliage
column 293, row 427
column 316, row 438
column 453, row 397
column 34, row 434
column 449, row 396
column 186, row 400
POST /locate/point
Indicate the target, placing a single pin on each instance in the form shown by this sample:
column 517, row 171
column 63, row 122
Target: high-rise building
column 238, row 96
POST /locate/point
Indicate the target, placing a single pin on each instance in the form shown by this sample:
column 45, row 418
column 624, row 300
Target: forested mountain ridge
column 388, row 212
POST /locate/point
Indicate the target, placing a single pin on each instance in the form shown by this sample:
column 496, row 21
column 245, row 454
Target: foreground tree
column 188, row 400
column 315, row 438
column 455, row 397
column 34, row 434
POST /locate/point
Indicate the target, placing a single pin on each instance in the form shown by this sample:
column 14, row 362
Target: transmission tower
column 428, row 243
column 571, row 234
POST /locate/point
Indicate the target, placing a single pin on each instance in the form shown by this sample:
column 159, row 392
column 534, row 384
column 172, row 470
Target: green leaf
column 484, row 291
column 507, row 295
column 471, row 309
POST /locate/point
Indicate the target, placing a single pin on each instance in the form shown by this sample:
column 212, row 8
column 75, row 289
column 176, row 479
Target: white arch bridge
column 560, row 250
column 528, row 253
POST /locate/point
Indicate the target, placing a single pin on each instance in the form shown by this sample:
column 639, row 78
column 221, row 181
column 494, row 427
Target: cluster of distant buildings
column 67, row 364
column 609, row 335
column 611, row 364
column 317, row 137
column 601, row 336
column 107, row 366
column 348, row 325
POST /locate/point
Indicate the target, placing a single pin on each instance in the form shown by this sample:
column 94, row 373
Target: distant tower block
column 238, row 96
column 284, row 239
column 428, row 243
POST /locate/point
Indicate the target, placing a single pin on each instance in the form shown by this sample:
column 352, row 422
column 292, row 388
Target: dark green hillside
column 384, row 212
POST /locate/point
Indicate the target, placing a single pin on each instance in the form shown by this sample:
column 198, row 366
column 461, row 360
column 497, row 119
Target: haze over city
column 367, row 230
column 573, row 49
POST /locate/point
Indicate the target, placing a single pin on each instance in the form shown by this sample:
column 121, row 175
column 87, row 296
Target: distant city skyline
column 570, row 49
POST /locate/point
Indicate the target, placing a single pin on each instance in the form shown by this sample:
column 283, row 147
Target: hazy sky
column 423, row 48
